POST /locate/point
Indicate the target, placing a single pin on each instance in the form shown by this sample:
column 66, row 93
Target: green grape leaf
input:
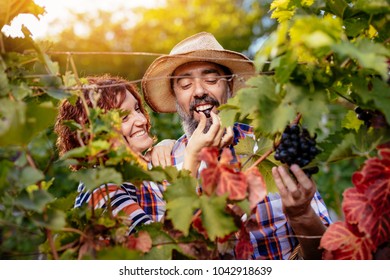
column 373, row 6
column 381, row 96
column 4, row 85
column 265, row 168
column 285, row 67
column 163, row 243
column 259, row 87
column 366, row 141
column 30, row 176
column 337, row 7
column 106, row 221
column 21, row 121
column 351, row 121
column 312, row 106
column 11, row 8
column 57, row 93
column 273, row 116
column 169, row 173
column 339, row 147
column 182, row 201
column 93, row 178
column 69, row 79
column 35, row 200
column 118, row 253
column 20, row 91
column 214, row 217
column 354, row 26
column 370, row 55
column 245, row 150
column 228, row 115
column 132, row 173
column 245, row 147
column 64, row 203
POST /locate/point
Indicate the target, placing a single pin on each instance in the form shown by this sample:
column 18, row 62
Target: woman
column 144, row 204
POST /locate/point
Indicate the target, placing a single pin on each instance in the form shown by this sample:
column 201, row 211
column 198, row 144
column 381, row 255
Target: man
column 193, row 80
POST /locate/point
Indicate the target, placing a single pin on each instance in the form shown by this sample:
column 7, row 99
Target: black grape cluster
column 296, row 146
column 364, row 115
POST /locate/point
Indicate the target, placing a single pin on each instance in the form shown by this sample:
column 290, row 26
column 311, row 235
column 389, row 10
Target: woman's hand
column 160, row 155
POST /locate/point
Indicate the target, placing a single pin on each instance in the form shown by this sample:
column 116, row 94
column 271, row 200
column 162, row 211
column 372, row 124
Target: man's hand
column 216, row 136
column 296, row 198
column 296, row 195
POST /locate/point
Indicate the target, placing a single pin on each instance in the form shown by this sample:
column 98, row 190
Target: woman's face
column 134, row 125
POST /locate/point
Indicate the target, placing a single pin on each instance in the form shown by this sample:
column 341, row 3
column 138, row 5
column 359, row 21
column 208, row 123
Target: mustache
column 202, row 100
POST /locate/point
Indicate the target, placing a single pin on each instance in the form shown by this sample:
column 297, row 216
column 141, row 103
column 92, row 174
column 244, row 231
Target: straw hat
column 156, row 85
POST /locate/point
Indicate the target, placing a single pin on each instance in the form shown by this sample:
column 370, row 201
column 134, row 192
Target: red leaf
column 257, row 189
column 222, row 177
column 377, row 224
column 198, row 225
column 379, row 195
column 385, row 155
column 210, row 174
column 359, row 181
column 377, row 168
column 209, row 177
column 142, row 242
column 231, row 182
column 244, row 247
column 355, row 206
column 341, row 243
column 226, row 157
column 209, row 155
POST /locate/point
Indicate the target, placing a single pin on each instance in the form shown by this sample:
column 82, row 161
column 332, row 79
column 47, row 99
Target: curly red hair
column 112, row 92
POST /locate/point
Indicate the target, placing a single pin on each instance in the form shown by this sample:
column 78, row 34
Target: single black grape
column 207, row 113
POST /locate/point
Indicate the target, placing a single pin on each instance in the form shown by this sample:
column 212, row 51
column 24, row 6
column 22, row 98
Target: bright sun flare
column 62, row 10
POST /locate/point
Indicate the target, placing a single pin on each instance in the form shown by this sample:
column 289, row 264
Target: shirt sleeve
column 120, row 198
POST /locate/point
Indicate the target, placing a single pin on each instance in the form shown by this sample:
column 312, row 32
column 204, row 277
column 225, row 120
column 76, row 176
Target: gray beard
column 189, row 124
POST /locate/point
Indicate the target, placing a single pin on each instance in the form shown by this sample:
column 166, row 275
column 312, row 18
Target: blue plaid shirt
column 273, row 239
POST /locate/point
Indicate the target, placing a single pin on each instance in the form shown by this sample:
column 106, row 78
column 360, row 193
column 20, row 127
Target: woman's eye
column 125, row 118
column 137, row 109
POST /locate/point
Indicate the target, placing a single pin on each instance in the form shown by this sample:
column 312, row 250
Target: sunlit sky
column 62, row 10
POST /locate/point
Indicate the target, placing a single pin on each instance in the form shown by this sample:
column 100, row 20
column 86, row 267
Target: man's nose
column 200, row 89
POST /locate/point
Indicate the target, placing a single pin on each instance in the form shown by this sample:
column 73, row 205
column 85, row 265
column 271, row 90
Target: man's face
column 200, row 87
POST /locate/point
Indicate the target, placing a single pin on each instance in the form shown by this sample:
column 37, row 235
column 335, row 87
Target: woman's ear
column 230, row 88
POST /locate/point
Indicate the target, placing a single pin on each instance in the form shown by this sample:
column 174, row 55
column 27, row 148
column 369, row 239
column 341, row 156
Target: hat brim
column 156, row 84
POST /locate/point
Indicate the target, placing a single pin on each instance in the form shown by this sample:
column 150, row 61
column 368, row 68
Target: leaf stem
column 75, row 231
column 342, row 96
column 263, row 157
column 51, row 243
